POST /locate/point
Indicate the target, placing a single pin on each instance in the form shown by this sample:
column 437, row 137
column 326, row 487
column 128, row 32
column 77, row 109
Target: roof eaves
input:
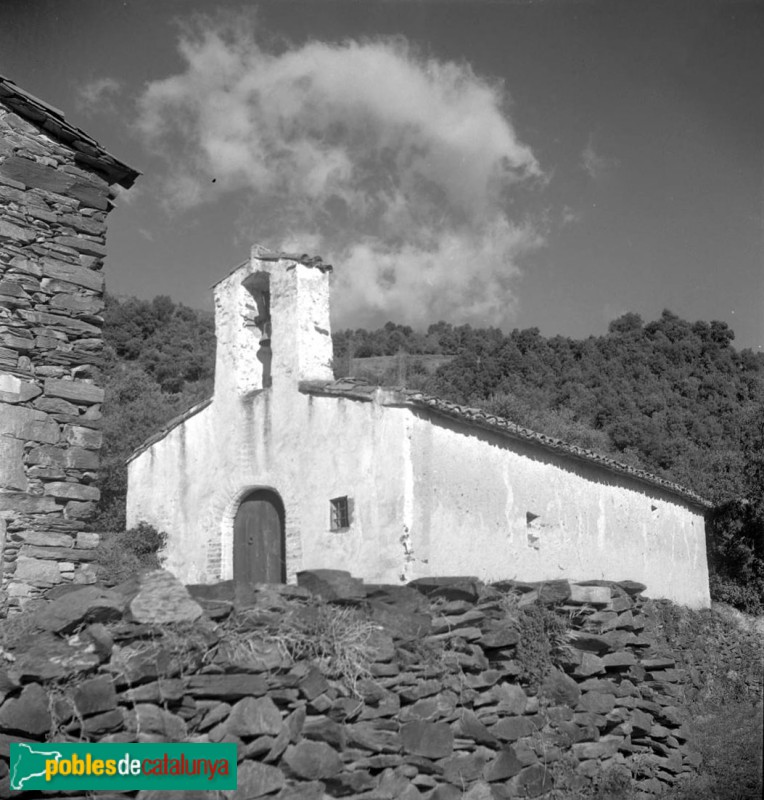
column 476, row 417
column 230, row 272
column 53, row 121
column 344, row 387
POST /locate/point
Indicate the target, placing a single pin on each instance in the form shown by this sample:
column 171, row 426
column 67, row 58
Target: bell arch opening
column 257, row 319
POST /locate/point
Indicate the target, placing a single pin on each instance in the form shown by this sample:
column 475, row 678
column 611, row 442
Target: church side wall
column 497, row 509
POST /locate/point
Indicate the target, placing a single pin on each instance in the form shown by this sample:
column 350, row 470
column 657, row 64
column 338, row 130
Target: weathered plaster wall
column 293, row 325
column 431, row 496
column 191, row 482
column 473, row 496
column 429, row 499
column 308, row 449
column 52, row 245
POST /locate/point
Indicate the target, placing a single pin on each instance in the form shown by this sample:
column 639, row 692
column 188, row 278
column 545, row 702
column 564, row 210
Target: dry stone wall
column 441, row 689
column 52, row 246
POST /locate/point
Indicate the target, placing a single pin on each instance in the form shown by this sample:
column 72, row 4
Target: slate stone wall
column 442, row 708
column 52, row 246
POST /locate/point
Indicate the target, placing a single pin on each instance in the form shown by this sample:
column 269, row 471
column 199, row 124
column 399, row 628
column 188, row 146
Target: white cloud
column 594, row 164
column 98, row 95
column 129, row 196
column 394, row 167
column 570, row 216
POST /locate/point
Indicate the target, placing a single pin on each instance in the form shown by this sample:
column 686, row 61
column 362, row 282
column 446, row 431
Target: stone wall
column 444, row 688
column 52, row 246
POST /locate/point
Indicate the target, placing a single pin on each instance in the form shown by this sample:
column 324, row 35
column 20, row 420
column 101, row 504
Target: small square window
column 340, row 513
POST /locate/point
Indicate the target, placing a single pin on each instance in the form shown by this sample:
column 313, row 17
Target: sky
column 513, row 164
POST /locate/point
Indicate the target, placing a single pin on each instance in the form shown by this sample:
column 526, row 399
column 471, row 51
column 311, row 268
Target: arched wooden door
column 258, row 539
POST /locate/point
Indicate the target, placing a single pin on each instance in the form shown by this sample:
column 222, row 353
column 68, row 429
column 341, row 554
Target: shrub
column 724, row 656
column 339, row 640
column 15, row 628
column 542, row 641
column 746, row 597
column 735, row 541
column 729, row 739
column 123, row 554
column 726, row 723
column 607, row 783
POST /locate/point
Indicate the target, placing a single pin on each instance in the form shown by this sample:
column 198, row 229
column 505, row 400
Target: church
column 285, row 468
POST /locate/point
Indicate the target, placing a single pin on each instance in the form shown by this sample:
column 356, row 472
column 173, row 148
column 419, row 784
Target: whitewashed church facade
column 285, row 468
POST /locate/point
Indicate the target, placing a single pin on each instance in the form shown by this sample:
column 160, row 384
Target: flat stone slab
column 16, row 390
column 428, row 739
column 458, row 587
column 510, row 729
column 15, row 232
column 95, row 696
column 561, row 688
column 87, row 604
column 161, row 598
column 313, row 760
column 76, row 391
column 254, row 717
column 148, row 718
column 63, row 490
column 227, row 687
column 29, row 713
column 632, row 587
column 257, row 780
column 12, row 474
column 332, row 584
column 590, row 595
column 505, row 765
column 47, row 658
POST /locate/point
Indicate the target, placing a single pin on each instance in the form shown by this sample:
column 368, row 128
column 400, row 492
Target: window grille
column 340, row 513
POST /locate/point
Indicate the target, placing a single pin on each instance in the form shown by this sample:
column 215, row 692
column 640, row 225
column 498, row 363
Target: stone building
column 285, row 469
column 55, row 193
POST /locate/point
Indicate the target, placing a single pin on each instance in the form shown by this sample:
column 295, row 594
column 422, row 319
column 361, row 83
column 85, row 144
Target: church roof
column 360, row 389
column 88, row 152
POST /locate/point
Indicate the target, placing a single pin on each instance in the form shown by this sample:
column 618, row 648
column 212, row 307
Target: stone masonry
column 55, row 194
column 445, row 689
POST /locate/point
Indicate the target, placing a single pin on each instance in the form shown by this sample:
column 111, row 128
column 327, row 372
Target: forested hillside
column 159, row 359
column 669, row 396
